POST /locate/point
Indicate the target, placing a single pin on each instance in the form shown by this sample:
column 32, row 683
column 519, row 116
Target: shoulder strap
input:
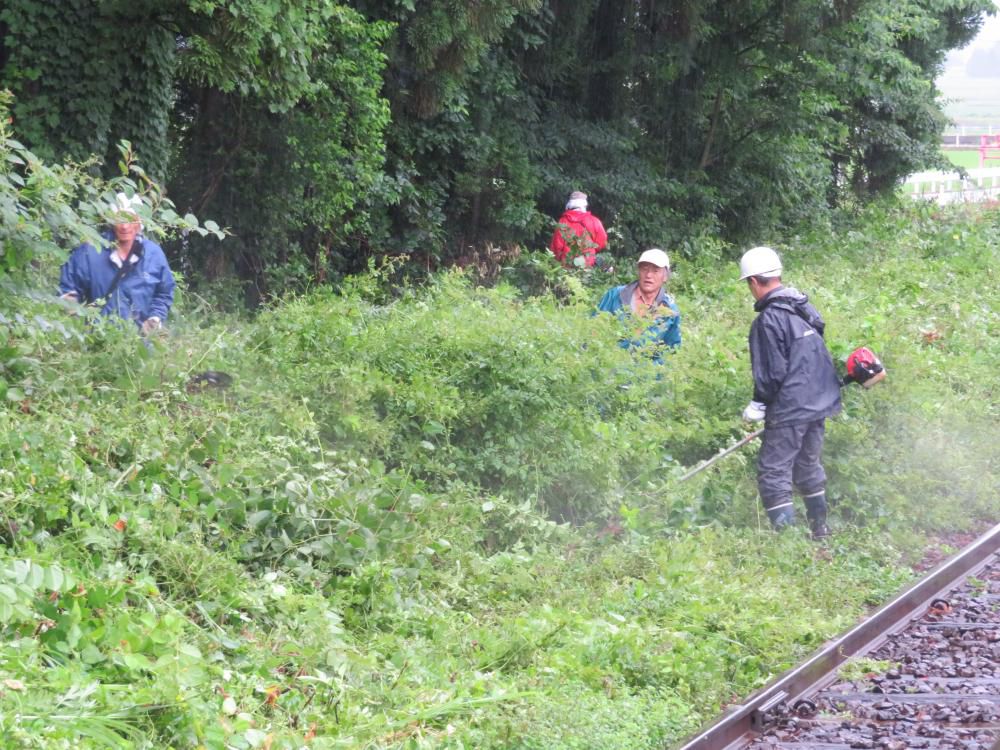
column 127, row 264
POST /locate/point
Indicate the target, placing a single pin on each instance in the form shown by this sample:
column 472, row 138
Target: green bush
column 450, row 516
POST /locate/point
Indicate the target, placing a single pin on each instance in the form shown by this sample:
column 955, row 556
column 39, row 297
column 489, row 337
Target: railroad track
column 939, row 644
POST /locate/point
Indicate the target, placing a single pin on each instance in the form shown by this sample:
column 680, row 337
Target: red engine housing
column 864, row 368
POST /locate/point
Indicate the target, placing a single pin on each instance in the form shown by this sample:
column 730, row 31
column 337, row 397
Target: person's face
column 651, row 278
column 755, row 288
column 126, row 231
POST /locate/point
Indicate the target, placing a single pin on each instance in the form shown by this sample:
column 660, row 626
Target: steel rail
column 737, row 725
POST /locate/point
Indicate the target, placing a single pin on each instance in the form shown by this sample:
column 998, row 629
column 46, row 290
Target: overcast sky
column 972, row 75
column 988, row 37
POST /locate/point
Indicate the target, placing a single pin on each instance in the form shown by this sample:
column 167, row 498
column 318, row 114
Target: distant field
column 974, row 99
column 965, row 157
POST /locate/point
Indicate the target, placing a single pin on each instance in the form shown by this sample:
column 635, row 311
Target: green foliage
column 326, row 133
column 274, row 114
column 677, row 119
column 262, row 50
column 363, row 541
column 46, row 209
column 861, row 668
column 87, row 75
column 453, row 387
column 889, row 55
column 288, row 157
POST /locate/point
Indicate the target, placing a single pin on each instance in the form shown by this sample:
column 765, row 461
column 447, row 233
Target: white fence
column 949, row 187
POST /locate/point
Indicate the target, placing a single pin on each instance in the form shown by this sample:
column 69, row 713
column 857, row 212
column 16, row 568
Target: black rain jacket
column 793, row 371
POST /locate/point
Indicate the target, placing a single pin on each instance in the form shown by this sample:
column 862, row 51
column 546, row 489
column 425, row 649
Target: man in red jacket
column 579, row 234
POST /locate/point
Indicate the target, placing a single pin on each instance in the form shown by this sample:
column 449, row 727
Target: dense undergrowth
column 449, row 515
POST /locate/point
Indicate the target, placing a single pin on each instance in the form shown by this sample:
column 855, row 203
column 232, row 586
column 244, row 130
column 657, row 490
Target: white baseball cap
column 126, row 205
column 655, row 256
column 577, row 199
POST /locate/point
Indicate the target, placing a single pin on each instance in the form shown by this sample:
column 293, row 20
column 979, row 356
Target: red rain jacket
column 585, row 235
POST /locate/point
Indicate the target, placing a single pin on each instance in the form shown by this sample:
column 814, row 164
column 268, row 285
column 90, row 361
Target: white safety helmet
column 760, row 261
column 655, row 256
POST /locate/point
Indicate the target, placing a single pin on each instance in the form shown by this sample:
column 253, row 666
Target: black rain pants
column 790, row 457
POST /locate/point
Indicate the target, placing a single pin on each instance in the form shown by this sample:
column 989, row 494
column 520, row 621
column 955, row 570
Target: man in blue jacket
column 646, row 304
column 130, row 275
column 795, row 388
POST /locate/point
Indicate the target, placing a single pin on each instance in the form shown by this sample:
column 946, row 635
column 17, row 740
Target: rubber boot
column 816, row 512
column 781, row 518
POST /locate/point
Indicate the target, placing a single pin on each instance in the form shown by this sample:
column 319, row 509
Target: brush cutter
column 863, row 368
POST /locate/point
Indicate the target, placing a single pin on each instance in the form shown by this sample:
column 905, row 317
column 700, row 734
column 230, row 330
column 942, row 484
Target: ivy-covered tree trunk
column 86, row 75
column 323, row 132
column 269, row 110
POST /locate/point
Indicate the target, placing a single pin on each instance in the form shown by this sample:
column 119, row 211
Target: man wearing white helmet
column 130, row 273
column 646, row 302
column 795, row 389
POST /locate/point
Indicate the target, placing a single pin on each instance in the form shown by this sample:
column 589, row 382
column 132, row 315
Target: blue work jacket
column 663, row 332
column 146, row 291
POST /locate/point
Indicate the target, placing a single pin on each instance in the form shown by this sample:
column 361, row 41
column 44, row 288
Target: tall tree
column 676, row 116
column 266, row 113
column 284, row 142
column 86, row 75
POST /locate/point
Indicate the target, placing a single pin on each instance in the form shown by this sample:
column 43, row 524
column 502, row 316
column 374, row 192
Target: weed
column 862, row 668
column 449, row 515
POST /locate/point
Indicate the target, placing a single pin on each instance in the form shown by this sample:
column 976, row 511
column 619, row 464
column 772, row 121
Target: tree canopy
column 325, row 132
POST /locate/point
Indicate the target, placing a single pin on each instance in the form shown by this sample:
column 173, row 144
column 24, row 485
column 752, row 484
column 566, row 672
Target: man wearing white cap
column 130, row 273
column 579, row 234
column 646, row 302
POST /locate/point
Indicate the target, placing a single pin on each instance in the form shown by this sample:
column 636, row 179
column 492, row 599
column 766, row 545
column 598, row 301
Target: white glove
column 755, row 411
column 151, row 324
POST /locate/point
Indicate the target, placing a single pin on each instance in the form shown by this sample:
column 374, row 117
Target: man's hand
column 74, row 309
column 150, row 325
column 755, row 411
